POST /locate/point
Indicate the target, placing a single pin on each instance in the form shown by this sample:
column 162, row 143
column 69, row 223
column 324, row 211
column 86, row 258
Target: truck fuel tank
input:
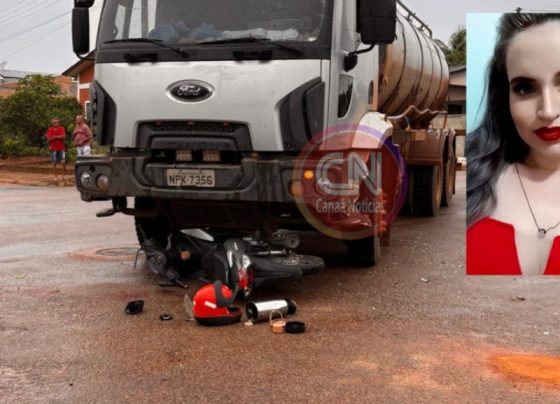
column 414, row 72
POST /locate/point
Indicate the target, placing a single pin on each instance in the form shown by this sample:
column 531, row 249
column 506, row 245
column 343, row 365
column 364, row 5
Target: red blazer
column 491, row 250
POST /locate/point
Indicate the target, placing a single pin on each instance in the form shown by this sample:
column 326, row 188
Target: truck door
column 351, row 91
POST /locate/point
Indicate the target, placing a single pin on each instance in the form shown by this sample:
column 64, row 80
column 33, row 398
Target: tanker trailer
column 413, row 85
column 221, row 115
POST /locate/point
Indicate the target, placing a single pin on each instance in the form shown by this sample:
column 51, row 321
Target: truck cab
column 208, row 107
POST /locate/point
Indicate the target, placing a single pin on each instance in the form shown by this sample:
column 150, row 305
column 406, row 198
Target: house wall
column 7, row 89
column 84, row 80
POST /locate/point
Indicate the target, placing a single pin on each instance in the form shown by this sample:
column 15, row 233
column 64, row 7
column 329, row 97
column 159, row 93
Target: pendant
column 542, row 233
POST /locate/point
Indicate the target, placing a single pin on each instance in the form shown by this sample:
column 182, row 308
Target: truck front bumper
column 103, row 177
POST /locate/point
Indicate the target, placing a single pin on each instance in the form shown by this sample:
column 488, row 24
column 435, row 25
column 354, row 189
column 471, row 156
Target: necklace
column 541, row 231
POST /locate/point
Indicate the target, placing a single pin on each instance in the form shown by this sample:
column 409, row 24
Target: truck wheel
column 448, row 181
column 428, row 186
column 408, row 206
column 157, row 228
column 365, row 252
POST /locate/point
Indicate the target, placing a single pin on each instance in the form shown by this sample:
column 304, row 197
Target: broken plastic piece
column 134, row 307
column 188, row 308
column 295, row 327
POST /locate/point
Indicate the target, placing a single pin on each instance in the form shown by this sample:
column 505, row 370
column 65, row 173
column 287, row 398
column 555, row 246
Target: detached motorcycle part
column 166, row 317
column 295, row 327
column 134, row 307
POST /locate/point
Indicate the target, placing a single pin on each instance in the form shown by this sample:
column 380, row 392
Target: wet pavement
column 412, row 329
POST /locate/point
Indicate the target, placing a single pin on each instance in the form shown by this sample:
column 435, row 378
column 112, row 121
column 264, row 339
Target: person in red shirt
column 55, row 136
column 81, row 137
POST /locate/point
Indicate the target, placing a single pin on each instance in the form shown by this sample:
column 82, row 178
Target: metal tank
column 414, row 72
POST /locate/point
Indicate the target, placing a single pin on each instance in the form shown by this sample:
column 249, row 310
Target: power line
column 34, row 27
column 15, row 5
column 34, row 40
column 29, row 39
column 25, row 13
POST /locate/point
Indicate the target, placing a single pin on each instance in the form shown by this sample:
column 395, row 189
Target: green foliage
column 26, row 115
column 12, row 146
column 456, row 52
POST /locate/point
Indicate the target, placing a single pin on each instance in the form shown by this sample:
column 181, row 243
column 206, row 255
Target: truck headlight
column 85, row 180
column 102, row 183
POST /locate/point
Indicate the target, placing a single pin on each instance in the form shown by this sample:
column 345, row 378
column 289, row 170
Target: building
column 9, row 80
column 457, row 93
column 82, row 74
column 12, row 76
column 456, row 107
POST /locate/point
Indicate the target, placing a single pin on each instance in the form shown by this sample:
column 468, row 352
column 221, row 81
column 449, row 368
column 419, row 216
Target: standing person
column 81, row 137
column 513, row 174
column 55, row 136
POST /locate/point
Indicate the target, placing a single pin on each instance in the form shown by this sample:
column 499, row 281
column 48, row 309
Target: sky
column 35, row 35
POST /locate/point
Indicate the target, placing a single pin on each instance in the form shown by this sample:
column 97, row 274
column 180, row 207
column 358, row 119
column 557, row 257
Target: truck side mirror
column 377, row 21
column 83, row 3
column 80, row 30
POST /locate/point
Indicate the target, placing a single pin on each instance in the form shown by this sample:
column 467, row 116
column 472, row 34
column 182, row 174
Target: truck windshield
column 189, row 22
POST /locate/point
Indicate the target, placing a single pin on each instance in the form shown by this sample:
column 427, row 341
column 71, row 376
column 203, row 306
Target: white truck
column 208, row 107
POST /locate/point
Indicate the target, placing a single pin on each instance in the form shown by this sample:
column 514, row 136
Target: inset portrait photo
column 513, row 144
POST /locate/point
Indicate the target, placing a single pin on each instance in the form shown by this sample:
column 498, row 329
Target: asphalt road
column 412, row 329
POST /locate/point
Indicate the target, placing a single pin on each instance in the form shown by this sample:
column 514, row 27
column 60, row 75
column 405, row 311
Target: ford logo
column 191, row 91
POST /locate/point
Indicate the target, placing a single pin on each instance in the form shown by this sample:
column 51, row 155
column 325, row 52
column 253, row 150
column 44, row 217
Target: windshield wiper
column 156, row 42
column 252, row 39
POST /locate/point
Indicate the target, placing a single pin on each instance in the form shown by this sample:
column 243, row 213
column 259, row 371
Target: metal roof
column 14, row 74
column 453, row 69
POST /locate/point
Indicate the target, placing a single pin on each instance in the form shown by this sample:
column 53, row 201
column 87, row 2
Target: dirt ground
column 412, row 329
column 34, row 171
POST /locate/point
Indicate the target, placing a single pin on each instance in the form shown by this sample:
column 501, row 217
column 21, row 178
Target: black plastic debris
column 134, row 307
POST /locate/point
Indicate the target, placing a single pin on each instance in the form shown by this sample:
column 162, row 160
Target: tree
column 26, row 115
column 456, row 52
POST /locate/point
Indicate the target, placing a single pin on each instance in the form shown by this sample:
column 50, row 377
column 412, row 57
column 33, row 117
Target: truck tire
column 448, row 180
column 408, row 205
column 428, row 188
column 157, row 228
column 365, row 252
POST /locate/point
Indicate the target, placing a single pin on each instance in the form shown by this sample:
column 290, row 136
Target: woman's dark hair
column 496, row 141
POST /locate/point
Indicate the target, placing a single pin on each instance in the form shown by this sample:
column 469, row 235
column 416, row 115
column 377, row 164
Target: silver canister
column 261, row 311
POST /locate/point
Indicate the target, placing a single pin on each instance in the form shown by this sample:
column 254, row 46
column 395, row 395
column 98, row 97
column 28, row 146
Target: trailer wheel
column 428, row 187
column 365, row 252
column 448, row 180
column 157, row 228
column 408, row 206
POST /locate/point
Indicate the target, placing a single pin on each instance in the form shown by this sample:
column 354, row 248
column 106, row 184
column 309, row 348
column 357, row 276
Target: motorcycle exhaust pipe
column 261, row 311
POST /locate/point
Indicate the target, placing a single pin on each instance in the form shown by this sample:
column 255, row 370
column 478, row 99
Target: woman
column 513, row 175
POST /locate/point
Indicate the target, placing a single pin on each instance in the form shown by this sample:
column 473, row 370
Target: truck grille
column 194, row 135
column 193, row 127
